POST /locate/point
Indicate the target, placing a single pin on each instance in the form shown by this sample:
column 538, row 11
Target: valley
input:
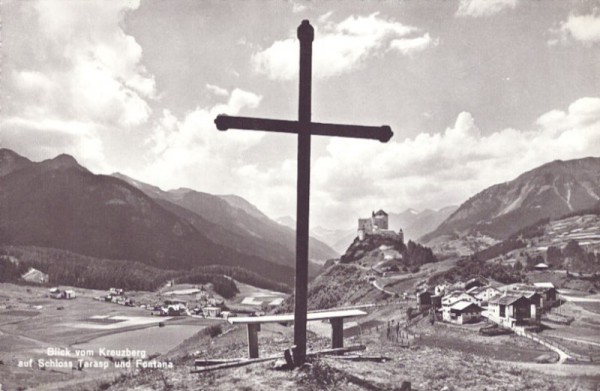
column 44, row 341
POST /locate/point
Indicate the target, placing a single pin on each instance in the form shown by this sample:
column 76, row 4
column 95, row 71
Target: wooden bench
column 336, row 318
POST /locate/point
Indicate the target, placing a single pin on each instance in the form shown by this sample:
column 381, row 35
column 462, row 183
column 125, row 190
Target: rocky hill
column 549, row 191
column 349, row 281
column 58, row 203
column 387, row 252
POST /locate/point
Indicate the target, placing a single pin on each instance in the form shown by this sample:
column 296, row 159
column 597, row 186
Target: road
column 376, row 285
column 576, row 299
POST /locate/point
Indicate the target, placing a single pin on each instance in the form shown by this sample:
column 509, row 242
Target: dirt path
column 580, row 299
column 376, row 285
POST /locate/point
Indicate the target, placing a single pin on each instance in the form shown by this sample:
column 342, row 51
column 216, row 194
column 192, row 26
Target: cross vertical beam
column 304, row 127
column 305, row 36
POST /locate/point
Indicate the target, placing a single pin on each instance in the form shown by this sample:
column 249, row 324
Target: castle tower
column 361, row 234
column 401, row 235
column 380, row 219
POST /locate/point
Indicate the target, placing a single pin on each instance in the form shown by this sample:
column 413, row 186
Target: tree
column 572, row 249
column 518, row 266
column 554, row 256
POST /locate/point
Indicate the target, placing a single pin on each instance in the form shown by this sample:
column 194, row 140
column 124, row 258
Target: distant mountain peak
column 5, row 152
column 181, row 190
column 243, row 204
column 11, row 161
column 62, row 161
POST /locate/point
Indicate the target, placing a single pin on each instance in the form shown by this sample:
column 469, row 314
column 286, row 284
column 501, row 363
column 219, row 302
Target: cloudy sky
column 476, row 92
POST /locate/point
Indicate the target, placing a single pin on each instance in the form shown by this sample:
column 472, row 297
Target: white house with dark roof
column 512, row 309
column 462, row 312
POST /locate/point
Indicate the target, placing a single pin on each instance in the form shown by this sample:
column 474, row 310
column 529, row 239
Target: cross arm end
column 220, row 121
column 386, row 134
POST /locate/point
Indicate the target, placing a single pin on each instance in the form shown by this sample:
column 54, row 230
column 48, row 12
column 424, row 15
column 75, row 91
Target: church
column 377, row 224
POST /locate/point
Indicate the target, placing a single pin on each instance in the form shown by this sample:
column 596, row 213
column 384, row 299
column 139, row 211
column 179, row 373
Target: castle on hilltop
column 377, row 224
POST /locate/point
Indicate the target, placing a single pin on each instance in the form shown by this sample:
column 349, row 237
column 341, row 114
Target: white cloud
column 84, row 86
column 89, row 69
column 582, row 28
column 323, row 18
column 355, row 176
column 182, row 150
column 217, row 90
column 483, row 8
column 410, row 46
column 446, row 168
column 45, row 139
column 297, row 7
column 342, row 47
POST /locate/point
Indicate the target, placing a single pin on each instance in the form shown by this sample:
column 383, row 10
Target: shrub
column 214, row 330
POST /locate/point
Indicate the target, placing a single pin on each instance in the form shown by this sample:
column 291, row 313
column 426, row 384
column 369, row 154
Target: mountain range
column 57, row 203
column 549, row 191
column 234, row 222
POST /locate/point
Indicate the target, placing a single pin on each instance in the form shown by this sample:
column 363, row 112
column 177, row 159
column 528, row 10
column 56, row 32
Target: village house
column 440, row 289
column 533, row 293
column 462, row 312
column 170, row 310
column 534, row 297
column 227, row 314
column 57, row 293
column 211, row 312
column 456, row 296
column 423, row 300
column 116, row 292
column 474, row 282
column 35, row 276
column 483, row 293
column 512, row 309
column 180, row 302
column 548, row 292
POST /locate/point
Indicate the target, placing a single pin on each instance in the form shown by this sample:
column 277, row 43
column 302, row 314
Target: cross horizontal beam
column 381, row 133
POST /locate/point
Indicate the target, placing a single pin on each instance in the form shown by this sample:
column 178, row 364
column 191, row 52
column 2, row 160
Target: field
column 163, row 339
column 40, row 338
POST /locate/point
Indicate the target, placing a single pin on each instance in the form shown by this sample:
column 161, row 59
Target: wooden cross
column 304, row 128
